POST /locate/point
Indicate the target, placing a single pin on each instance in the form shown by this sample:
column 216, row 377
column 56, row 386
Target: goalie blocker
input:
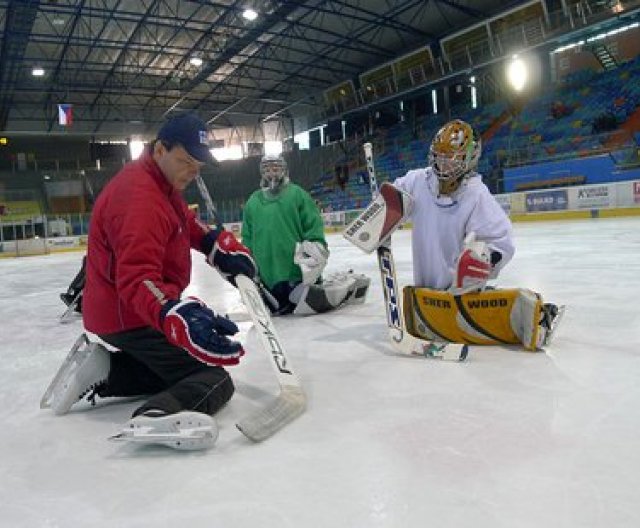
column 378, row 221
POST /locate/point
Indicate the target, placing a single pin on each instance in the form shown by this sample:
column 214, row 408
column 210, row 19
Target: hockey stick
column 208, row 202
column 403, row 342
column 291, row 402
column 211, row 210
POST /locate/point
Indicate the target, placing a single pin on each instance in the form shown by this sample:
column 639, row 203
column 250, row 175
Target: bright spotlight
column 136, row 148
column 37, row 71
column 195, row 61
column 250, row 14
column 517, row 73
column 273, row 147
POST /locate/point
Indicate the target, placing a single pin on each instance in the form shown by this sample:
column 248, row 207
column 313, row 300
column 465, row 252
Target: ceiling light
column 250, row 14
column 37, row 71
column 517, row 73
column 58, row 21
column 196, row 61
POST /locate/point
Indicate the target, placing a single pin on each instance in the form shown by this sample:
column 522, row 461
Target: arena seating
column 513, row 137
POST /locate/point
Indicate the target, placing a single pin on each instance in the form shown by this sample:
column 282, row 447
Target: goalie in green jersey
column 283, row 228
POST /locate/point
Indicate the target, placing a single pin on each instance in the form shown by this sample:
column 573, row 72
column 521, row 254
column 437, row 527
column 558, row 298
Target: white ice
column 507, row 439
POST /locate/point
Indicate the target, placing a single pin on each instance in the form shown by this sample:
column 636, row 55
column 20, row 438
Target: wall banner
column 593, row 196
column 555, row 200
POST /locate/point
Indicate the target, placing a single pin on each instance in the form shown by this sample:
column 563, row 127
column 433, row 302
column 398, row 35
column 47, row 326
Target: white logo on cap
column 203, row 136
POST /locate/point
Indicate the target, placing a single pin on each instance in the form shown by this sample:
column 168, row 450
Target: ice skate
column 185, row 430
column 85, row 369
column 73, row 296
column 551, row 316
column 74, row 307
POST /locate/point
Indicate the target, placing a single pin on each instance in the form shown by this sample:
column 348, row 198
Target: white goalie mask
column 454, row 153
column 274, row 173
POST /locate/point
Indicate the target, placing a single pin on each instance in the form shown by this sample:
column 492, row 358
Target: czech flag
column 65, row 114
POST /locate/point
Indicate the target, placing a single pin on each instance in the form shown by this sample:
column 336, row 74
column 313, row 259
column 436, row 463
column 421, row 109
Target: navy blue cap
column 191, row 132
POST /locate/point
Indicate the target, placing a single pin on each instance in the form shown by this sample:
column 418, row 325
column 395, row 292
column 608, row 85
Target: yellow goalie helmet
column 454, row 153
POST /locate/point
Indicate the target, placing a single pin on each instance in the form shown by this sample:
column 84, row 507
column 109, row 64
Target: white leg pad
column 338, row 290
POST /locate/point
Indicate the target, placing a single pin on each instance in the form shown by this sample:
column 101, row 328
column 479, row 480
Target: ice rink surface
column 507, row 439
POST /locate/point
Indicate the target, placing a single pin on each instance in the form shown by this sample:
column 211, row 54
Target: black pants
column 148, row 364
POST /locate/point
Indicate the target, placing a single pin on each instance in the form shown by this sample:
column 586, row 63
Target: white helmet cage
column 274, row 173
column 454, row 153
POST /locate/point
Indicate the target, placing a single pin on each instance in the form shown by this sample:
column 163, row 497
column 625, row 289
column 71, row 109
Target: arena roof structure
column 125, row 65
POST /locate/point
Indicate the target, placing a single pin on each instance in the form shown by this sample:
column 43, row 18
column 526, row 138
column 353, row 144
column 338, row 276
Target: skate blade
column 185, row 430
column 66, row 369
column 70, row 314
column 188, row 440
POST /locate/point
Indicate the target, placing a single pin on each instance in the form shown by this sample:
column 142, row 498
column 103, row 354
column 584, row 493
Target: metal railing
column 482, row 51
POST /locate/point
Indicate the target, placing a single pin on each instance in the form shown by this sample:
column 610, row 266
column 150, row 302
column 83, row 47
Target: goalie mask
column 454, row 153
column 274, row 174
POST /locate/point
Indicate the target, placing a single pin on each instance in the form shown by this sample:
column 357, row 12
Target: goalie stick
column 371, row 171
column 291, row 402
column 403, row 342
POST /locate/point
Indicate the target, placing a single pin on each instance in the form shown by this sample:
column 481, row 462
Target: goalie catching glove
column 191, row 325
column 312, row 258
column 228, row 256
column 473, row 266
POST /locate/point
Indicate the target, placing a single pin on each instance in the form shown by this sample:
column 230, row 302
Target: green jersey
column 272, row 225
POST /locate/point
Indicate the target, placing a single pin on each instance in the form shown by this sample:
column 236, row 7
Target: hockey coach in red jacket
column 138, row 264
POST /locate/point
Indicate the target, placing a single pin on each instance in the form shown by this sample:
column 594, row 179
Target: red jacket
column 140, row 236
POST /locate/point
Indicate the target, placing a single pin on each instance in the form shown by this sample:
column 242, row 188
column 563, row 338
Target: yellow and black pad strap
column 482, row 318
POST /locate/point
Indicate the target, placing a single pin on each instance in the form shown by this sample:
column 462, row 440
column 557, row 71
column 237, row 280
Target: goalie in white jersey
column 461, row 239
column 450, row 202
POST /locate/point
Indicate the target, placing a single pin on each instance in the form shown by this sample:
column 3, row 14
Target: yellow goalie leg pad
column 491, row 317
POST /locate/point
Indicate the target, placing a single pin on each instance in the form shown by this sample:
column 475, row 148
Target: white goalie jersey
column 440, row 226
